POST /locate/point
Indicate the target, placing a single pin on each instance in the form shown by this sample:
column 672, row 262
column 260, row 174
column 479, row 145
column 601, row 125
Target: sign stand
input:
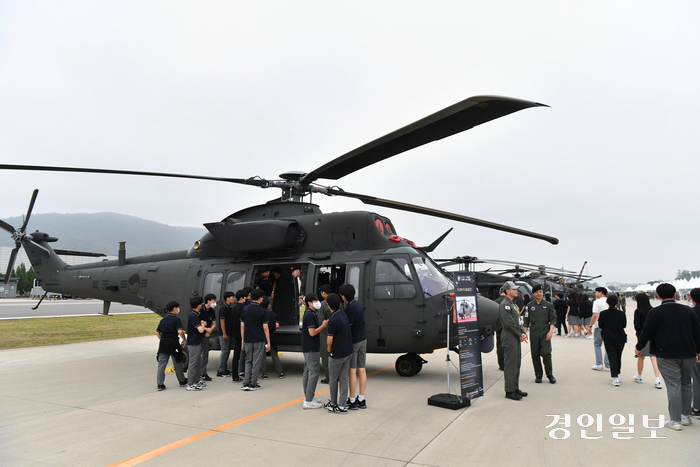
column 449, row 400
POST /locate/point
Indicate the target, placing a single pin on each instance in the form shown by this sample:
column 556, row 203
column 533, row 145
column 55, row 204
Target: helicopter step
column 409, row 364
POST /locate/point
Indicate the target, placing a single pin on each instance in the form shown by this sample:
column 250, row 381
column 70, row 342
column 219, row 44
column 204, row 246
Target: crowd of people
column 246, row 325
column 334, row 341
column 668, row 334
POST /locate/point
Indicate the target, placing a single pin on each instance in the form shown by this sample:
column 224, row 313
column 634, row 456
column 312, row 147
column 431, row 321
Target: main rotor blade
column 447, row 122
column 4, row 225
column 445, row 215
column 243, row 181
column 13, row 255
column 29, row 210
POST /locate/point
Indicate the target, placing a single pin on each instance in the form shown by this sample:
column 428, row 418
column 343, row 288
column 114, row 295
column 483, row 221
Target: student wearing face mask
column 311, row 346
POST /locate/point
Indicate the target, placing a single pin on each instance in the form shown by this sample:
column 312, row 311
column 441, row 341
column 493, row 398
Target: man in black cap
column 513, row 334
column 540, row 317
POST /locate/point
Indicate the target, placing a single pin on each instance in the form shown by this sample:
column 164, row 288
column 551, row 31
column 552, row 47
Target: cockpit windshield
column 432, row 279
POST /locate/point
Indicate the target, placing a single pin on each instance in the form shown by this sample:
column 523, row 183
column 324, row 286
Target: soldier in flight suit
column 513, row 334
column 540, row 317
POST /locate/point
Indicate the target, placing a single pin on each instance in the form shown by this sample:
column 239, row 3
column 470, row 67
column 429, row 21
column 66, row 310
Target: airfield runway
column 20, row 308
column 96, row 404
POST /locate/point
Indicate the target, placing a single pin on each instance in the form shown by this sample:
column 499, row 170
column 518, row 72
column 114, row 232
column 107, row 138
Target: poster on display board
column 467, row 320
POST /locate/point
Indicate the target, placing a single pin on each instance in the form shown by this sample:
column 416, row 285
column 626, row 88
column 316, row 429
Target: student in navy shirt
column 272, row 325
column 167, row 332
column 225, row 334
column 356, row 318
column 311, row 346
column 340, row 351
column 238, row 363
column 208, row 315
column 256, row 339
column 195, row 335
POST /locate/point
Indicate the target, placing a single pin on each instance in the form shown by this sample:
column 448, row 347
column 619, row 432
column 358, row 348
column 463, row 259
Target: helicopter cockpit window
column 431, row 278
column 212, row 283
column 235, row 281
column 397, row 272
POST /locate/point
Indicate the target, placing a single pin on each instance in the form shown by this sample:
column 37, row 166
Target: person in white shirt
column 599, row 305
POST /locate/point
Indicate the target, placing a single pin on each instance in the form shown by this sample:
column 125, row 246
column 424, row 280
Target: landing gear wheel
column 419, row 362
column 185, row 359
column 407, row 365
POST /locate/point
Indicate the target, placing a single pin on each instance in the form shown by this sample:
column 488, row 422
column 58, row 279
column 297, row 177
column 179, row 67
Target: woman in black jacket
column 572, row 316
column 640, row 317
column 613, row 323
column 586, row 313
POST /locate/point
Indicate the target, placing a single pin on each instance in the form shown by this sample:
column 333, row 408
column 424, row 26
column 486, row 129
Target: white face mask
column 317, row 305
column 213, row 304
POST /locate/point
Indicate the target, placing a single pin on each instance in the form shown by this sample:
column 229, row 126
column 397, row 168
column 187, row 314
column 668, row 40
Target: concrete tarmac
column 96, row 404
column 21, row 308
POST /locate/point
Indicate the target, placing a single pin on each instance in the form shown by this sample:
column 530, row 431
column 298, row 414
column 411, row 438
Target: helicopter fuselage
column 405, row 295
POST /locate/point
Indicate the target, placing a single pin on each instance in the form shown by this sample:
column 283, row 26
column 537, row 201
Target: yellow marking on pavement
column 169, row 447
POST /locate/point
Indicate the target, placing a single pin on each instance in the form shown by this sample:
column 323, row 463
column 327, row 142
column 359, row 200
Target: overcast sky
column 260, row 88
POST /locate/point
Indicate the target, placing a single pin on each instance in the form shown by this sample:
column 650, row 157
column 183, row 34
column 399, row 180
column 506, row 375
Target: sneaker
column 225, row 374
column 183, row 383
column 192, row 387
column 245, row 387
column 265, row 376
column 589, row 337
column 571, row 334
column 312, row 405
column 338, row 409
column 205, row 377
column 236, row 379
column 318, row 400
column 576, row 335
column 201, row 383
column 354, row 405
column 161, row 387
column 686, row 420
column 597, row 367
column 282, row 375
column 616, row 381
column 254, row 387
column 695, row 413
column 241, row 374
column 362, row 404
column 673, row 425
column 324, row 381
column 328, row 405
column 657, row 383
column 637, row 379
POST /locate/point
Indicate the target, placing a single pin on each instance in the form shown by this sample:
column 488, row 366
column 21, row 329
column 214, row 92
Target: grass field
column 51, row 331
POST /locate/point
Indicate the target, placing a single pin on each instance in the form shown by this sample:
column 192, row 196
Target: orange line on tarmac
column 169, row 447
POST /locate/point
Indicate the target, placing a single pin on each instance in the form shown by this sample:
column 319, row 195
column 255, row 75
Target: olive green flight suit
column 499, row 343
column 540, row 319
column 512, row 330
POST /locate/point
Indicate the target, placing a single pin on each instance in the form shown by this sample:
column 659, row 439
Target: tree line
column 687, row 275
column 26, row 278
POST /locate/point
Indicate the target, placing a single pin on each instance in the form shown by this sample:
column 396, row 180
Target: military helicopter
column 405, row 295
column 525, row 275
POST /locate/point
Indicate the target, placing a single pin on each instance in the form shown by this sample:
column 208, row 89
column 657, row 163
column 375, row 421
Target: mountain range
column 101, row 233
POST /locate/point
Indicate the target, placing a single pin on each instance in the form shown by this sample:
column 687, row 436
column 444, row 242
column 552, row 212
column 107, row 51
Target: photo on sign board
column 466, row 309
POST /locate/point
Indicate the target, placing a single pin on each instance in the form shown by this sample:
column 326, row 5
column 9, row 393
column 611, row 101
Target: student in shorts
column 356, row 318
